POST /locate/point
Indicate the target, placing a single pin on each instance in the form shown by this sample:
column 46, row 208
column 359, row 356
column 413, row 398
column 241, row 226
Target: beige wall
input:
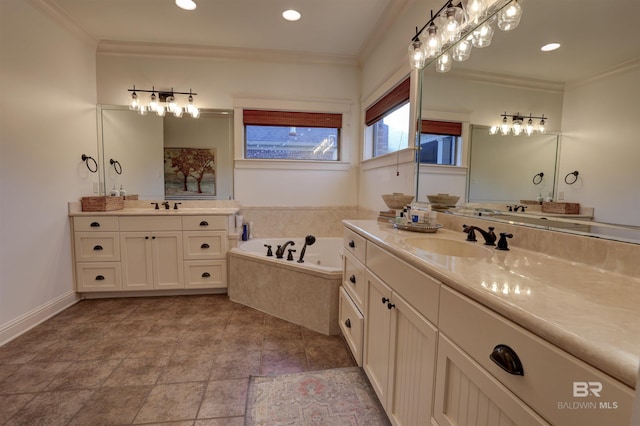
column 48, row 121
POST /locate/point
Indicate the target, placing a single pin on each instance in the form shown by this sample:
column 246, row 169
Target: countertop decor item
column 102, row 203
column 418, row 227
column 443, row 199
column 557, row 207
column 397, row 200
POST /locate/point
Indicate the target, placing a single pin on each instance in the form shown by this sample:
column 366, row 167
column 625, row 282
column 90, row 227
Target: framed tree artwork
column 189, row 172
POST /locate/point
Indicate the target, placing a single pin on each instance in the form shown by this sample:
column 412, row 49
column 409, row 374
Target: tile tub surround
column 305, row 297
column 586, row 311
column 613, row 256
column 152, row 360
column 274, row 221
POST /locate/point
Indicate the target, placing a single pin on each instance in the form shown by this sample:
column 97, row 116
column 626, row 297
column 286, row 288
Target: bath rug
column 334, row 397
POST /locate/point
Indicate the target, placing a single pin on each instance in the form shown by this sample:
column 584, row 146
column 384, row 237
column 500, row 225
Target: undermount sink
column 449, row 247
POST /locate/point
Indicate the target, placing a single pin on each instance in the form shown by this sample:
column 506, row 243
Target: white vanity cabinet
column 97, row 253
column 400, row 341
column 120, row 252
column 205, row 251
column 151, row 250
column 542, row 380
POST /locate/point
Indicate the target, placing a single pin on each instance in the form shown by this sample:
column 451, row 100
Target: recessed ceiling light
column 291, row 15
column 549, row 47
column 186, row 4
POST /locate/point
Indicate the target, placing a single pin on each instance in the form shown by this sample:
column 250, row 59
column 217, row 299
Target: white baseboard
column 27, row 321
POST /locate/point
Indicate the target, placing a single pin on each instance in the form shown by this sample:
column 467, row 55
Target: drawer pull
column 204, row 246
column 390, row 306
column 352, row 278
column 100, row 278
column 97, row 248
column 352, row 244
column 95, row 225
column 347, row 323
column 204, row 223
column 206, row 275
column 507, row 359
column 385, row 300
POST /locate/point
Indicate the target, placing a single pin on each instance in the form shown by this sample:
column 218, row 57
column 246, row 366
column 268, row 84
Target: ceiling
column 595, row 34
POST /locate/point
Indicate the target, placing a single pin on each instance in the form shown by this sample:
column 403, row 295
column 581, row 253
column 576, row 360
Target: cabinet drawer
column 422, row 291
column 147, row 223
column 466, row 394
column 548, row 383
column 95, row 223
column 204, row 245
column 352, row 325
column 97, row 246
column 205, row 273
column 204, row 223
column 98, row 276
column 355, row 244
column 353, row 279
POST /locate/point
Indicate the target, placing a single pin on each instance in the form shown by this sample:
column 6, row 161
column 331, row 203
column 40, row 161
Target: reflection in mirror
column 140, row 146
column 506, row 169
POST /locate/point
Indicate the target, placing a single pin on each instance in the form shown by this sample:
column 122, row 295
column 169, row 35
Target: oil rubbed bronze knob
column 95, row 225
column 352, row 278
column 347, row 323
column 206, row 275
column 97, row 248
column 204, row 223
column 204, row 246
column 100, row 278
column 352, row 244
column 385, row 300
column 507, row 359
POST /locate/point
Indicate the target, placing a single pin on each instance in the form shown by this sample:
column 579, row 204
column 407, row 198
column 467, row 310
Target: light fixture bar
column 165, row 101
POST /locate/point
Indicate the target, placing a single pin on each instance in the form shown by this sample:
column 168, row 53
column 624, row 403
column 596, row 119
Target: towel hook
column 575, row 178
column 86, row 159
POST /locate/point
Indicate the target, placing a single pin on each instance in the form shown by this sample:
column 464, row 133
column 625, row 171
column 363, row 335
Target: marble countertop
column 147, row 207
column 588, row 312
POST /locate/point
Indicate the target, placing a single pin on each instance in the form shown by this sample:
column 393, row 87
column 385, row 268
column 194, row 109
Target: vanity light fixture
column 458, row 27
column 162, row 101
column 518, row 125
column 186, row 4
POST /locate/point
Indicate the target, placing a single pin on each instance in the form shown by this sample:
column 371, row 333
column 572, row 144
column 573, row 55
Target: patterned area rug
column 335, row 397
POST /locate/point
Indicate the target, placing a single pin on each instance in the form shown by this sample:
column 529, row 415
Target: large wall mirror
column 166, row 157
column 513, row 76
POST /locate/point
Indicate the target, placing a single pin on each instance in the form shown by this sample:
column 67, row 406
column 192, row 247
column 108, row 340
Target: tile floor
column 184, row 359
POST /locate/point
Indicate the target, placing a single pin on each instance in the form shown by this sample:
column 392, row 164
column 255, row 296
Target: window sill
column 291, row 164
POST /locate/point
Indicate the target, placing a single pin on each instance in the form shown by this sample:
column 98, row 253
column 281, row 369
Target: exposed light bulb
column 509, row 17
column 494, row 129
column 444, row 62
column 153, row 102
column 177, row 112
column 133, row 102
column 432, row 44
column 504, row 127
column 517, row 126
column 160, row 110
column 528, row 129
column 474, row 9
column 462, row 50
column 171, row 103
column 482, row 35
column 542, row 127
column 142, row 110
column 450, row 24
column 417, row 55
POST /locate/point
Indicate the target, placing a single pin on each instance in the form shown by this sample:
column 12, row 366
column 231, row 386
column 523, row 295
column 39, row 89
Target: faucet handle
column 289, row 253
column 156, row 208
column 471, row 233
column 502, row 243
column 175, row 206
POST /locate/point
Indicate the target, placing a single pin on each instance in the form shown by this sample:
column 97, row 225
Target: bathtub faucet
column 281, row 249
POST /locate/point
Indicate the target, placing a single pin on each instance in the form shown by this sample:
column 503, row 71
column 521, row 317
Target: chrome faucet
column 281, row 249
column 489, row 237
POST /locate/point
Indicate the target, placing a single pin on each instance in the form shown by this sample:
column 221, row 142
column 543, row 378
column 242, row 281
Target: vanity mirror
column 143, row 153
column 587, row 88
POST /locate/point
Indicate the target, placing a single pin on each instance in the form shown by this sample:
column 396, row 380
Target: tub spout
column 281, row 249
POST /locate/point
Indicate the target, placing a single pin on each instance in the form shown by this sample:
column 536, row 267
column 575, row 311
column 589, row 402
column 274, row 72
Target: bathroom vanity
column 143, row 249
column 461, row 333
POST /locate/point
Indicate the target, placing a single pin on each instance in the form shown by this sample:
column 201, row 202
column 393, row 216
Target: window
column 440, row 142
column 388, row 121
column 286, row 135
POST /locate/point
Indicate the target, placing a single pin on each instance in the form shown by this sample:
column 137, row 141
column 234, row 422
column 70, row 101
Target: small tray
column 418, row 227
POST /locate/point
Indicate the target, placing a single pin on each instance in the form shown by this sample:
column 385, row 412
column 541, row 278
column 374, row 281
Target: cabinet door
column 378, row 327
column 466, row 394
column 168, row 270
column 135, row 252
column 411, row 365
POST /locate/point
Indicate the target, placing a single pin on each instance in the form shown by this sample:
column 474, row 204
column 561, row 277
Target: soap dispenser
column 122, row 191
column 114, row 192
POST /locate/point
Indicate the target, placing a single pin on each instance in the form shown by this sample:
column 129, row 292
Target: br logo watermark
column 585, row 390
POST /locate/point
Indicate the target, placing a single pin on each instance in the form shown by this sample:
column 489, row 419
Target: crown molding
column 504, row 80
column 168, row 50
column 631, row 65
